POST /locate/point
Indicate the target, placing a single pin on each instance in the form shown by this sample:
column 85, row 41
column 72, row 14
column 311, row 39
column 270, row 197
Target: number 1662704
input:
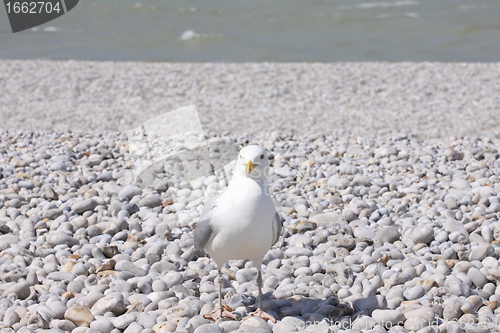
column 33, row 7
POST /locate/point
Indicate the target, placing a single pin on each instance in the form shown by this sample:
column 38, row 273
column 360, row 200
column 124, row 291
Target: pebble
column 112, row 303
column 21, row 289
column 482, row 251
column 124, row 265
column 123, row 321
column 387, row 235
column 60, row 237
column 477, row 277
column 460, row 184
column 415, row 324
column 129, row 192
column 134, row 328
column 423, row 234
column 102, row 325
column 82, row 206
column 208, row 328
column 394, row 317
column 370, row 304
column 79, row 315
column 172, row 279
column 150, row 201
column 255, row 324
column 452, row 312
column 10, row 317
column 414, row 293
column 397, row 231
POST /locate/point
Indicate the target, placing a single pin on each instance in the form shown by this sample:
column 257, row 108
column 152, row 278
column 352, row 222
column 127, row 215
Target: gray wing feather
column 202, row 234
column 203, row 231
column 277, row 227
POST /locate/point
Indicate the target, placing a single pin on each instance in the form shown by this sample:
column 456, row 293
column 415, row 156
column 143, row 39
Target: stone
column 477, row 277
column 208, row 328
column 7, row 241
column 58, row 310
column 64, row 325
column 343, row 241
column 60, row 237
column 50, row 194
column 481, row 252
column 424, row 312
column 123, row 321
column 348, row 169
column 367, row 323
column 415, row 324
column 302, row 227
column 75, row 287
column 172, row 279
column 102, row 325
column 82, row 206
column 342, row 273
column 394, row 317
column 79, row 315
column 125, row 265
column 164, row 327
column 422, row 234
column 51, row 214
column 129, row 192
column 21, row 289
column 254, row 324
column 460, row 184
column 105, row 176
column 327, row 219
column 414, row 293
column 230, row 325
column 113, row 303
column 58, row 166
column 10, row 317
column 362, row 180
column 452, row 312
column 387, row 234
column 370, row 304
column 146, row 320
column 151, row 201
column 134, row 328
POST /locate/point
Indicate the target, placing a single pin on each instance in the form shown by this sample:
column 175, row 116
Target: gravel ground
column 348, row 99
column 395, row 230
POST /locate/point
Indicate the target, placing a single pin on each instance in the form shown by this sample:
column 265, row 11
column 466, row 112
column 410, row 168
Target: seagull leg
column 260, row 312
column 219, row 310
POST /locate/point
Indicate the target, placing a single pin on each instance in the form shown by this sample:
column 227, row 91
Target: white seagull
column 241, row 223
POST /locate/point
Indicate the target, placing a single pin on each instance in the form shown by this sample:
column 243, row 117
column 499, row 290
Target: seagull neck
column 239, row 178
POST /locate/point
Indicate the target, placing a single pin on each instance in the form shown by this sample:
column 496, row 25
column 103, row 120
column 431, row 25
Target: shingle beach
column 387, row 176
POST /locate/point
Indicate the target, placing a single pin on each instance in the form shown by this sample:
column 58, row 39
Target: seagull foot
column 261, row 314
column 219, row 313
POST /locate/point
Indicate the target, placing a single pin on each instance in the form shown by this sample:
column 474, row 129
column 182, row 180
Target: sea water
column 267, row 30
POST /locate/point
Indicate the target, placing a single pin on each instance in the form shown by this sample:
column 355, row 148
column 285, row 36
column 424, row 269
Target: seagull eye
column 262, row 156
column 241, row 156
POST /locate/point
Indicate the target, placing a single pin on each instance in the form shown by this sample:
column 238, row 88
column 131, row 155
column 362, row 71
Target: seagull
column 241, row 223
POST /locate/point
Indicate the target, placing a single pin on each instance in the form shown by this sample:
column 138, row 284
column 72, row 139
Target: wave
column 369, row 5
column 46, row 29
column 190, row 34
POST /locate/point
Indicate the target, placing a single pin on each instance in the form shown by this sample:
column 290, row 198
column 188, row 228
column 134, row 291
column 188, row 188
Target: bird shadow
column 306, row 309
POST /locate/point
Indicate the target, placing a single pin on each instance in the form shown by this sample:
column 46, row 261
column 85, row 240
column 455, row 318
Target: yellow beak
column 250, row 166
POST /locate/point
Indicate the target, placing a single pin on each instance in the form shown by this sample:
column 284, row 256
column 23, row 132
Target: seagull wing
column 277, row 227
column 204, row 232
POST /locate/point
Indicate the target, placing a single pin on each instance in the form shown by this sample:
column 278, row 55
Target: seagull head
column 253, row 162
